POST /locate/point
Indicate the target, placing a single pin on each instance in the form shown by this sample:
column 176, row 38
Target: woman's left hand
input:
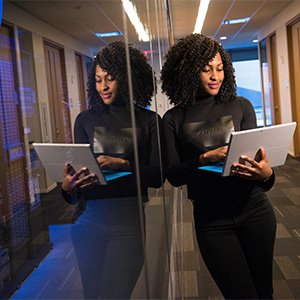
column 113, row 163
column 258, row 168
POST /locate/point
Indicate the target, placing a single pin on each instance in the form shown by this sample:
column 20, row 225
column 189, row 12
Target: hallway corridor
column 58, row 277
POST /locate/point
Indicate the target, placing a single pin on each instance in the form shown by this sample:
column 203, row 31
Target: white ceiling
column 81, row 19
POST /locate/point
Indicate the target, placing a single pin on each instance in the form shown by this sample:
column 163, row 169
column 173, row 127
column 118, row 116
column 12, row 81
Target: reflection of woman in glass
column 108, row 235
column 234, row 221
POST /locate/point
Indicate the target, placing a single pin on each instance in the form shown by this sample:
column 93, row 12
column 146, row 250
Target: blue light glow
column 111, row 175
column 0, row 12
column 236, row 21
column 218, row 168
column 108, row 34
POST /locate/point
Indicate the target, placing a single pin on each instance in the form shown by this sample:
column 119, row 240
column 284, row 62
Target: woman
column 107, row 126
column 234, row 221
column 108, row 237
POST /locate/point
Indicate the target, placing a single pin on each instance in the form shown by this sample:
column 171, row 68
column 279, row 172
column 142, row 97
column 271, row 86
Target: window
column 248, row 78
column 248, row 81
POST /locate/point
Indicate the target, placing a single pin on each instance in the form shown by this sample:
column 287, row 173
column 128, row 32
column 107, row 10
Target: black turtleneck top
column 109, row 132
column 197, row 128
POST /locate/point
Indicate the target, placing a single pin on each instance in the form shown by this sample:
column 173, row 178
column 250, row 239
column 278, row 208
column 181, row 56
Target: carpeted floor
column 58, row 276
column 195, row 281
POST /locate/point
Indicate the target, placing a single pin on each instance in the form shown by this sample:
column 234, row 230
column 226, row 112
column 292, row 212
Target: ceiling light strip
column 236, row 21
column 132, row 14
column 108, row 34
column 202, row 11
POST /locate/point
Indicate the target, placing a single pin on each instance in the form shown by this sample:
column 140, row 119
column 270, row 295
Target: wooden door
column 57, row 92
column 81, row 82
column 276, row 111
column 294, row 66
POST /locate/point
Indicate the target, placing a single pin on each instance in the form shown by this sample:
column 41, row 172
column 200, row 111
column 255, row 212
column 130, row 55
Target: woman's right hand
column 72, row 181
column 112, row 163
column 213, row 156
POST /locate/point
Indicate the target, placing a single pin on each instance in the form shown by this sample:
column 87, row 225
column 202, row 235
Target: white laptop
column 275, row 140
column 53, row 156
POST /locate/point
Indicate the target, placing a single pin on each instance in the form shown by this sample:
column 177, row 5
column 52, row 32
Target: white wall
column 41, row 30
column 22, row 19
column 278, row 25
column 73, row 93
column 41, row 87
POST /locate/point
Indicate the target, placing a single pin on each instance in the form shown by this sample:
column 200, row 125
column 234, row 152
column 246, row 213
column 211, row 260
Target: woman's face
column 212, row 76
column 106, row 86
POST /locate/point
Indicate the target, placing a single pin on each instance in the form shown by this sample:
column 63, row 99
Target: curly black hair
column 112, row 59
column 185, row 60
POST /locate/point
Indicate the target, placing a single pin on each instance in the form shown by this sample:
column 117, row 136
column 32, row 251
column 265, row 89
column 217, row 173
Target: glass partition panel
column 157, row 211
column 30, row 111
column 130, row 238
column 115, row 244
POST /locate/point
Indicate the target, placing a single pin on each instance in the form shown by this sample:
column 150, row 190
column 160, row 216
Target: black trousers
column 238, row 250
column 108, row 244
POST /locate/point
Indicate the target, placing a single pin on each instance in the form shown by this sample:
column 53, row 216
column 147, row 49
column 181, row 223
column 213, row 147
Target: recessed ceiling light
column 255, row 41
column 235, row 21
column 108, row 34
column 223, row 38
